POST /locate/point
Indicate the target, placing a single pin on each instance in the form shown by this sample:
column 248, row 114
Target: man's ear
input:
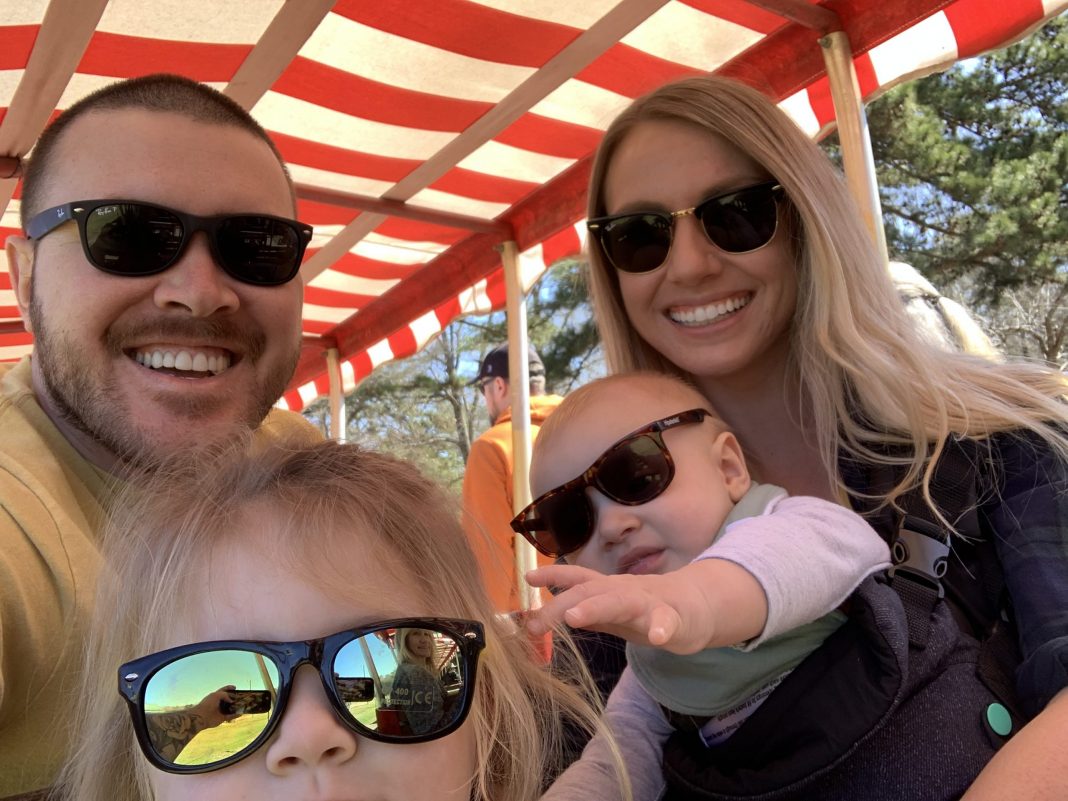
column 20, row 268
column 501, row 390
column 732, row 464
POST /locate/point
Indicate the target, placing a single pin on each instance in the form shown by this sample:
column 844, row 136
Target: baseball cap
column 495, row 364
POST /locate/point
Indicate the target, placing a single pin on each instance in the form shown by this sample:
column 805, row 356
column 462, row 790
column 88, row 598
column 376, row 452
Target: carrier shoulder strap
column 931, row 565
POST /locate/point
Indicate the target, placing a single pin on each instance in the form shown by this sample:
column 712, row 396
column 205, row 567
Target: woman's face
column 312, row 755
column 716, row 315
column 420, row 643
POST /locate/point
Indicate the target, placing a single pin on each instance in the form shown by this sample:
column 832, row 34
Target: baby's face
column 670, row 530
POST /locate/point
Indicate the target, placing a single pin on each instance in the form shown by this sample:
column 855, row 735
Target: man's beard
column 94, row 406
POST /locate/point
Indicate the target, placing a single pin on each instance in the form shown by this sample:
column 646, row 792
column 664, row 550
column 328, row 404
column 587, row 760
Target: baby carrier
column 911, row 697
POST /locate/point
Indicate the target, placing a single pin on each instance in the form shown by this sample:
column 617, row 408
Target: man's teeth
column 701, row 315
column 190, row 361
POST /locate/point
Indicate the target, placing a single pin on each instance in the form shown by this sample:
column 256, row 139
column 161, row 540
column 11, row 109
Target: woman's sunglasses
column 739, row 221
column 129, row 238
column 635, row 470
column 201, row 707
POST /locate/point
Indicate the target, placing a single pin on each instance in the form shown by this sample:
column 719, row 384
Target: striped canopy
column 424, row 133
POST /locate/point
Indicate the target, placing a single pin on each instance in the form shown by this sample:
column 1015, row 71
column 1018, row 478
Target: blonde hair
column 405, row 653
column 324, row 497
column 869, row 382
column 938, row 318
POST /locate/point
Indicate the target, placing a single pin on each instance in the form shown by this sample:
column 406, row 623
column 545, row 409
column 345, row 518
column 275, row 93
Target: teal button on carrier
column 999, row 719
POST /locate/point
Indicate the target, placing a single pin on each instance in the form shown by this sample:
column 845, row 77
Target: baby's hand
column 677, row 611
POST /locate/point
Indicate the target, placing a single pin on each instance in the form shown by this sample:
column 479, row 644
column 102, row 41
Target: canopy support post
column 519, row 384
column 337, row 395
column 853, row 134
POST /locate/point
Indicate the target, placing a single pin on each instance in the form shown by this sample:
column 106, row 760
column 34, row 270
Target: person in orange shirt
column 487, row 490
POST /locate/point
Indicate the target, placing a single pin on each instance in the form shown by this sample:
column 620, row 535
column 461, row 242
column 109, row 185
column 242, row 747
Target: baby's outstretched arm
column 765, row 575
column 706, row 604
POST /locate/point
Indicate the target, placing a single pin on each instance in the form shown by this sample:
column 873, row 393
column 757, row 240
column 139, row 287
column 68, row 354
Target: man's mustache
column 249, row 342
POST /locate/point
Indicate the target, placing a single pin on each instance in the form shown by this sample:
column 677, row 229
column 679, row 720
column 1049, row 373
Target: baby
column 671, row 545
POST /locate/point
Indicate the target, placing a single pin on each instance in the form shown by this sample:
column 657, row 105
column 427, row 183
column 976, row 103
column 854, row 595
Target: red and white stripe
column 488, row 109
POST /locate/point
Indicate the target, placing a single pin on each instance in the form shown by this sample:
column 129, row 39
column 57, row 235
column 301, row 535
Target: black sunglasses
column 201, row 707
column 130, row 238
column 738, row 221
column 633, row 471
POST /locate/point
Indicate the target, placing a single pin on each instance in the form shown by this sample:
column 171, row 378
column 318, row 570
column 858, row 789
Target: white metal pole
column 337, row 395
column 853, row 133
column 519, row 383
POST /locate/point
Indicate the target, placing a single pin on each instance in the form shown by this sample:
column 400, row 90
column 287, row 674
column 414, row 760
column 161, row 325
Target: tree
column 971, row 166
column 421, row 408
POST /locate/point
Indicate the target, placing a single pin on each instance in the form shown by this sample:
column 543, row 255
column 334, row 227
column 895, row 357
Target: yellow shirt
column 51, row 503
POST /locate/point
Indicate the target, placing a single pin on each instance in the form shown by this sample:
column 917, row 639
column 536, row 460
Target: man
column 156, row 332
column 487, row 491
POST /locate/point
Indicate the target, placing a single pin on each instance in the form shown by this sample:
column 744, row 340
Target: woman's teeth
column 702, row 315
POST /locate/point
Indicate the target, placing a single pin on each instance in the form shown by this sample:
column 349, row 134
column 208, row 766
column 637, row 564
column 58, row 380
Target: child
column 698, row 557
column 270, row 610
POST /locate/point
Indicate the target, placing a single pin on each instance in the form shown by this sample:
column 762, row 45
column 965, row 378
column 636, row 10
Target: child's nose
column 310, row 735
column 613, row 522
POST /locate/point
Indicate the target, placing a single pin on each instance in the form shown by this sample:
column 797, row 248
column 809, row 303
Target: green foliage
column 421, row 408
column 971, row 166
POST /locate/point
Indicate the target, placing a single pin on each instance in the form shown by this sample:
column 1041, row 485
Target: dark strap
column 924, row 553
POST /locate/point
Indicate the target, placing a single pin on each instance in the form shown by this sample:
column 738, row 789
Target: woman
column 726, row 249
column 417, row 691
column 256, row 601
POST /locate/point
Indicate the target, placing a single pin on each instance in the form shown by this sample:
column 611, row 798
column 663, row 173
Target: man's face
column 495, row 392
column 97, row 335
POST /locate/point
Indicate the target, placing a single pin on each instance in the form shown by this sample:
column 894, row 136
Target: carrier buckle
column 922, row 551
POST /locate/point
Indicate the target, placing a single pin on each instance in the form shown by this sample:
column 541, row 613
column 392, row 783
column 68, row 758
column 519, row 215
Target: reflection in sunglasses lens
column 132, row 239
column 203, row 708
column 260, row 250
column 744, row 222
column 401, row 682
column 568, row 519
column 639, row 243
column 635, row 471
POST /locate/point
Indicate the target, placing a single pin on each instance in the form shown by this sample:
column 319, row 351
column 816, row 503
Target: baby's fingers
column 561, row 576
column 552, row 612
column 609, row 611
column 664, row 623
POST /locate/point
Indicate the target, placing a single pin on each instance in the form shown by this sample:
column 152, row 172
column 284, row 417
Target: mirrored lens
column 402, row 682
column 635, row 471
column 638, row 243
column 204, row 708
column 567, row 522
column 259, row 250
column 132, row 239
column 740, row 222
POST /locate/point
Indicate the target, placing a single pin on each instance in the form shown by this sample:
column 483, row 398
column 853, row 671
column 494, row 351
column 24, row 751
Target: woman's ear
column 20, row 269
column 731, row 463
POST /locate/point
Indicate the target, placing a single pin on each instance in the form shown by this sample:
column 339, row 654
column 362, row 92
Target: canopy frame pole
column 519, row 387
column 337, row 395
column 857, row 158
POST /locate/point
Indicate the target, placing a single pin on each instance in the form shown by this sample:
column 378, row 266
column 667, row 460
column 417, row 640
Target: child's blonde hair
column 325, row 497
